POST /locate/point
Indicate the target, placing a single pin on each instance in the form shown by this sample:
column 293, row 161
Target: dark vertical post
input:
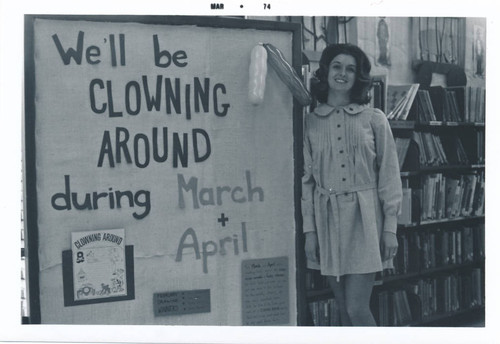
column 30, row 202
column 298, row 166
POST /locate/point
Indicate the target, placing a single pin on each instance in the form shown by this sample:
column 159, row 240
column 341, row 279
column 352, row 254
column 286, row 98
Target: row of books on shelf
column 416, row 302
column 440, row 150
column 393, row 308
column 459, row 104
column 378, row 92
column 24, row 305
column 480, row 145
column 443, row 104
column 419, row 251
column 400, row 100
column 431, row 150
column 475, row 104
column 425, row 298
column 315, row 281
column 442, row 197
column 449, row 196
column 402, row 147
column 325, row 312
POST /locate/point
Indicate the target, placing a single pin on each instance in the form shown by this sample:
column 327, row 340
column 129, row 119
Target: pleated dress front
column 351, row 188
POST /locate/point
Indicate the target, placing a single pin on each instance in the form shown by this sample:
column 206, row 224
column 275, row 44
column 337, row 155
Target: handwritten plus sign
column 223, row 220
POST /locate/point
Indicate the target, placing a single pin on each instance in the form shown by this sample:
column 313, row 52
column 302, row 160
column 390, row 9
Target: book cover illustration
column 399, row 100
column 99, row 264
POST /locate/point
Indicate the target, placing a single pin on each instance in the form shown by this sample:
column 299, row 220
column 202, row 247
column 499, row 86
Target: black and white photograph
column 248, row 172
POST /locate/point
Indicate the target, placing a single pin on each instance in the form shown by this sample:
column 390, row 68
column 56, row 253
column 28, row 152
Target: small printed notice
column 265, row 296
column 182, row 302
column 99, row 264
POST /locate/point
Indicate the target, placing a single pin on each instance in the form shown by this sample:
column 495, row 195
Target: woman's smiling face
column 342, row 73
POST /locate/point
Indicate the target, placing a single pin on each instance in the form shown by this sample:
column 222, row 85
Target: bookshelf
column 439, row 270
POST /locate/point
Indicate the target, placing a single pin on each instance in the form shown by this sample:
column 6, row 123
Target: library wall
column 403, row 48
column 475, row 45
column 400, row 47
column 403, row 45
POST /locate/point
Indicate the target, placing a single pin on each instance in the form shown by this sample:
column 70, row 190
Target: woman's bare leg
column 357, row 292
column 338, row 288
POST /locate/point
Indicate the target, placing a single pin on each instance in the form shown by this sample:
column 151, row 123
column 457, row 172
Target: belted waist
column 331, row 191
column 333, row 204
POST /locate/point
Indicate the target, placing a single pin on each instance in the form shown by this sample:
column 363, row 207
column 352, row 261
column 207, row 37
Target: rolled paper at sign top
column 287, row 74
column 257, row 75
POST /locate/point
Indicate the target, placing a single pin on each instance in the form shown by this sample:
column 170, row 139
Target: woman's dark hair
column 360, row 91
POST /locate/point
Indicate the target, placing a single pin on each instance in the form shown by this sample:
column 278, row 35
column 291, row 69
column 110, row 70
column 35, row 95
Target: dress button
column 343, row 165
column 339, row 138
column 343, row 179
column 345, row 194
column 341, row 152
column 338, row 125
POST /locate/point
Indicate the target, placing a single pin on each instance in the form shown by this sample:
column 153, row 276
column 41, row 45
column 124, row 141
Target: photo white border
column 11, row 100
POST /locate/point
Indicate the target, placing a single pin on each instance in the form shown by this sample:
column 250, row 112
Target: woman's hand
column 388, row 245
column 312, row 247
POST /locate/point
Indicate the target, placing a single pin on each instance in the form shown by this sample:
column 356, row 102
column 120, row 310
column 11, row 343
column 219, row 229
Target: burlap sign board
column 143, row 124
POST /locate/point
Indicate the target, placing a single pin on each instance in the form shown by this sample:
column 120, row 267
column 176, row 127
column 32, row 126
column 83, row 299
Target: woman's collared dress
column 351, row 188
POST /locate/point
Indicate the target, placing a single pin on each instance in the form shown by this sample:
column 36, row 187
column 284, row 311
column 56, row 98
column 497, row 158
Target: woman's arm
column 389, row 183
column 308, row 186
column 389, row 179
column 307, row 203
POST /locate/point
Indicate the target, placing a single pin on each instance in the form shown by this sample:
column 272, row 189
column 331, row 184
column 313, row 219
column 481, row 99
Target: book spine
column 452, row 247
column 467, row 104
column 458, row 247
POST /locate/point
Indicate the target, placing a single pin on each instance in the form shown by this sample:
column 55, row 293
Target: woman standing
column 351, row 189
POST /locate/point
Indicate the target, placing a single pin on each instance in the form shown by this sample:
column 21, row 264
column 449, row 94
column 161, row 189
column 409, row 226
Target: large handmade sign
column 147, row 127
